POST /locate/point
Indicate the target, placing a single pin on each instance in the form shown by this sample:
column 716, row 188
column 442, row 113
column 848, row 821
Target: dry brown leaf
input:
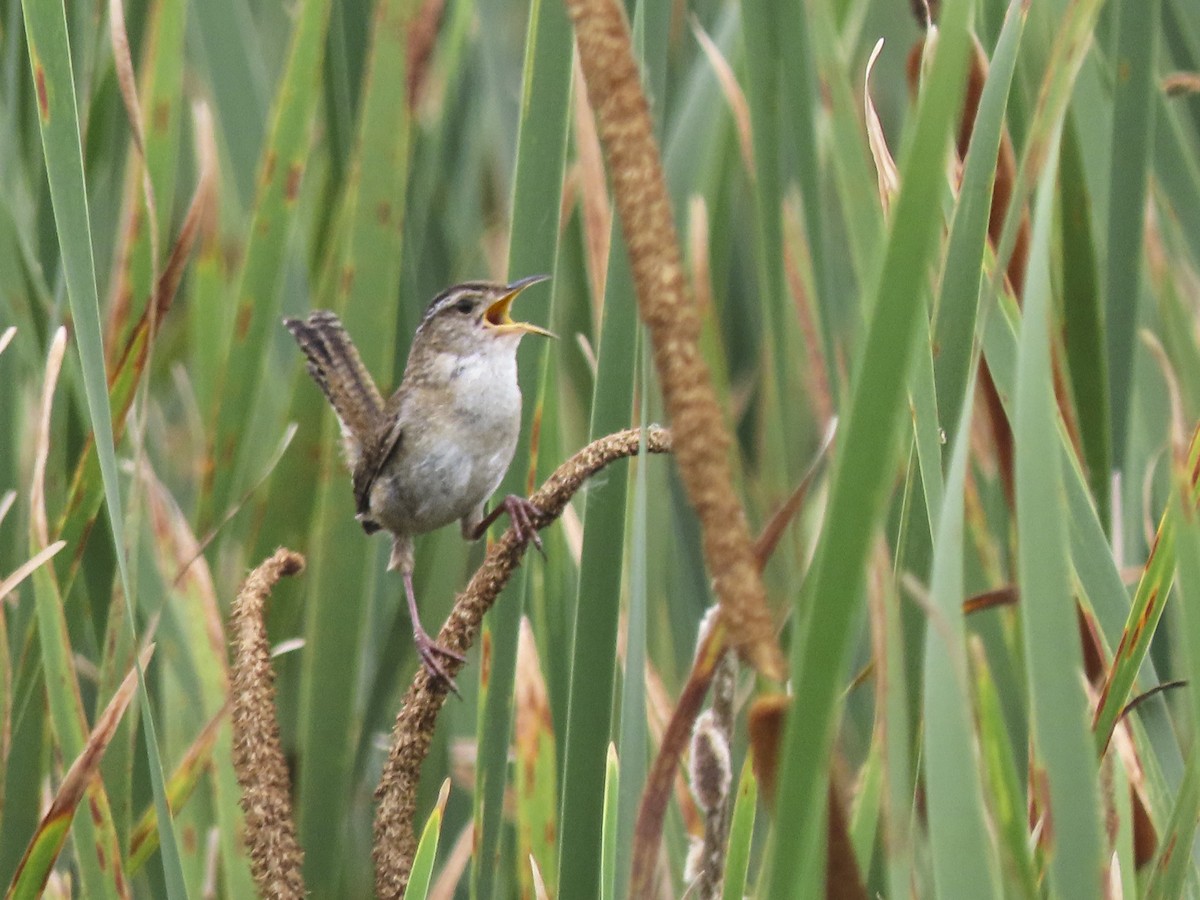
column 37, row 498
column 446, row 884
column 23, row 571
column 820, row 397
column 127, row 82
column 84, row 773
column 734, row 95
column 597, row 210
column 886, row 173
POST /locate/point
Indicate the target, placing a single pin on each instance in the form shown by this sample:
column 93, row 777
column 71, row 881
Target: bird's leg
column 427, row 648
column 521, row 513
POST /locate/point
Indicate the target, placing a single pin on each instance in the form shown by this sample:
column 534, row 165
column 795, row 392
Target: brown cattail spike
column 702, row 439
column 275, row 854
column 395, row 840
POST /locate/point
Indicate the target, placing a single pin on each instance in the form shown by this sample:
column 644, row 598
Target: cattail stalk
column 395, row 838
column 275, row 855
column 702, row 440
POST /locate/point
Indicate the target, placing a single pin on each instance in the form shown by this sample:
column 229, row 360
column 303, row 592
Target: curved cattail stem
column 395, row 839
column 275, row 854
column 702, row 440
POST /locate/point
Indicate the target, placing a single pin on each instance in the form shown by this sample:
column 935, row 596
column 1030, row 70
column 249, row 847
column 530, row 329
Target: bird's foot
column 523, row 514
column 432, row 653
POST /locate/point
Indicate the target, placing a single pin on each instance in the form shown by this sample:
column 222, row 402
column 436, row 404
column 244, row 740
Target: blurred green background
column 361, row 156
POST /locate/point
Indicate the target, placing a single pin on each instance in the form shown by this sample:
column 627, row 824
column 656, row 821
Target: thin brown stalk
column 652, row 810
column 127, row 84
column 38, row 524
column 702, row 440
column 1177, row 84
column 595, row 206
column 734, row 95
column 796, row 251
column 395, row 839
column 81, row 780
column 658, row 714
column 653, row 805
column 258, row 760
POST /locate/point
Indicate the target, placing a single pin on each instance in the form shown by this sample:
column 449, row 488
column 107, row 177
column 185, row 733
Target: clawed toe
column 429, row 650
column 522, row 514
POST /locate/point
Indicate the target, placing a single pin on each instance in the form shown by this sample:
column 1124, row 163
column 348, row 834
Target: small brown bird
column 439, row 447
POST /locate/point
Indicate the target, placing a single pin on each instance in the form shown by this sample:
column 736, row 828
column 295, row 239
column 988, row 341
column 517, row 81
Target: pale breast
column 458, row 442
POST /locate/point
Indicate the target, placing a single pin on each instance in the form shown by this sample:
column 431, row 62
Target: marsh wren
column 439, row 447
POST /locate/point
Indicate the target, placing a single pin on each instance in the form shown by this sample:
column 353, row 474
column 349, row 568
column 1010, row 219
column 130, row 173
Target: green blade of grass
column 1177, row 170
column 608, row 828
column 238, row 82
column 1172, row 864
column 206, row 751
column 594, row 636
column 897, row 724
column 54, row 86
column 963, row 856
column 1097, row 570
column 204, row 739
column 80, row 781
column 1145, row 613
column 1083, row 325
column 900, row 635
column 958, row 295
column 763, row 59
column 422, row 868
column 243, row 431
column 536, row 766
column 1072, row 38
column 867, row 814
column 1005, row 791
column 928, row 432
column 1053, row 657
column 95, row 833
column 848, row 152
column 633, row 738
column 345, row 570
column 741, row 832
column 162, row 106
column 537, row 196
column 867, row 446
column 1134, row 85
column 800, row 92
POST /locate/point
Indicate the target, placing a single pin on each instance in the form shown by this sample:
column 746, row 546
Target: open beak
column 501, row 322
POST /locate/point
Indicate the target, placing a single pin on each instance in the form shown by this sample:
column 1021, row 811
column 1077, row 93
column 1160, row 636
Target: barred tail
column 334, row 364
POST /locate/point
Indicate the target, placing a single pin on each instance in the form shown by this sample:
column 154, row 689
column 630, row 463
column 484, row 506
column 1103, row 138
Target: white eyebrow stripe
column 452, row 295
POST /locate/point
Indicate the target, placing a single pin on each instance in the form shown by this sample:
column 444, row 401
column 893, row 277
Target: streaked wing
column 383, row 443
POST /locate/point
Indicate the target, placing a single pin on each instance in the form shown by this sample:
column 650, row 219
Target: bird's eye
column 465, row 306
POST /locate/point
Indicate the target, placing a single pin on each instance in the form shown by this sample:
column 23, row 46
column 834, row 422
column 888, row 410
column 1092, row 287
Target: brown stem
column 652, row 810
column 395, row 838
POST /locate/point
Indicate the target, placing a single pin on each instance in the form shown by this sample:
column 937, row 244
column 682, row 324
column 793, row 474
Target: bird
column 438, row 448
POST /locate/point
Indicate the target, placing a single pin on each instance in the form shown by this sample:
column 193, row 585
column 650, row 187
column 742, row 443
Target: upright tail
column 336, row 367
